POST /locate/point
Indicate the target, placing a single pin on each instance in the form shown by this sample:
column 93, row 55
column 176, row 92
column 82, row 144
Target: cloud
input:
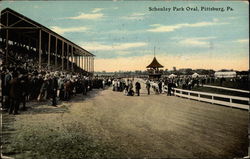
column 170, row 28
column 123, row 52
column 247, row 2
column 87, row 16
column 60, row 30
column 134, row 16
column 116, row 46
column 232, row 18
column 197, row 42
column 194, row 42
column 36, row 6
column 242, row 41
column 95, row 10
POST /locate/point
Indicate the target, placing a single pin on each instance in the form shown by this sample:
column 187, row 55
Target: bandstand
column 154, row 71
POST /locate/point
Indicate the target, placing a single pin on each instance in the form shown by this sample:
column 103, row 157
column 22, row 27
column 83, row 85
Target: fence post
column 231, row 102
column 188, row 95
column 199, row 96
column 212, row 99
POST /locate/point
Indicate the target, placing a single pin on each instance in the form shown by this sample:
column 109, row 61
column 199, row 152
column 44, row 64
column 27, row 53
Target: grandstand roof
column 27, row 27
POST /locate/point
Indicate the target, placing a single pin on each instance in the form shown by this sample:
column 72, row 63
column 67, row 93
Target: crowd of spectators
column 22, row 81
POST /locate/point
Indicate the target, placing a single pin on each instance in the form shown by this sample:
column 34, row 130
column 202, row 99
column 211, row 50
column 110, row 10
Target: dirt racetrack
column 146, row 126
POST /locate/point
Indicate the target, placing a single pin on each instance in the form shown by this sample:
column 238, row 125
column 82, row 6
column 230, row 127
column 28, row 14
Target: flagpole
column 154, row 51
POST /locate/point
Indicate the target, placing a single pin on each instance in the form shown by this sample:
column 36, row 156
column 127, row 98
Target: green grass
column 220, row 91
column 71, row 141
column 229, row 84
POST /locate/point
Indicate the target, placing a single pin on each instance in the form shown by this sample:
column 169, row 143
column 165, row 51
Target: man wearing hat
column 15, row 94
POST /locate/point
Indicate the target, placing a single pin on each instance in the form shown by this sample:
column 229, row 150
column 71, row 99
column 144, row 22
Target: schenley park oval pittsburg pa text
column 188, row 8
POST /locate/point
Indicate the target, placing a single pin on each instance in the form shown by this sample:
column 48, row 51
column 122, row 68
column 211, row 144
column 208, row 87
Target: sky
column 123, row 34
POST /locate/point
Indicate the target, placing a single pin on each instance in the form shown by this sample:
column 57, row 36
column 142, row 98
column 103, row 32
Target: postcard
column 124, row 79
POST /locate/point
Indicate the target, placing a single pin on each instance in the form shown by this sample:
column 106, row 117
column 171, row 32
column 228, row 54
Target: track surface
column 152, row 125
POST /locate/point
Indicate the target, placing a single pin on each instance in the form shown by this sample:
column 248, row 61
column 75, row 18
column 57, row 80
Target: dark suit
column 15, row 95
column 52, row 90
column 137, row 88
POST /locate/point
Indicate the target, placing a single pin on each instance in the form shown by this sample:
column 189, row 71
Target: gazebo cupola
column 155, row 65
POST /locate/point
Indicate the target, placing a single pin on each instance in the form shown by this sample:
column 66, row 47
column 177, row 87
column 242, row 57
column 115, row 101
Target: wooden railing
column 225, row 88
column 211, row 98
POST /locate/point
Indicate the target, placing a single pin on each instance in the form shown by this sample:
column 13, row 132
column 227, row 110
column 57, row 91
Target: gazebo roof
column 154, row 64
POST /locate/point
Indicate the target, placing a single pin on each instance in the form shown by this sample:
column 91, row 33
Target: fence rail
column 225, row 88
column 211, row 98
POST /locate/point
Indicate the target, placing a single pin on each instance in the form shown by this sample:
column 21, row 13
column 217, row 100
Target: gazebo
column 153, row 69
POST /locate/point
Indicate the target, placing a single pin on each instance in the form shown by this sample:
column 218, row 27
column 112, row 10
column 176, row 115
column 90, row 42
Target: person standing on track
column 148, row 86
column 137, row 88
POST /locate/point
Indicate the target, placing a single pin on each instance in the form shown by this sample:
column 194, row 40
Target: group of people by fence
column 125, row 85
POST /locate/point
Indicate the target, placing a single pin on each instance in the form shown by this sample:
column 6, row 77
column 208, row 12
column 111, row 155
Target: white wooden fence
column 210, row 97
column 225, row 88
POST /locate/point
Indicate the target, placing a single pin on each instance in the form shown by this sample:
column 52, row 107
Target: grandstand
column 25, row 39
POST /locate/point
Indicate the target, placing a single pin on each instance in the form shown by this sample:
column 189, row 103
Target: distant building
column 229, row 74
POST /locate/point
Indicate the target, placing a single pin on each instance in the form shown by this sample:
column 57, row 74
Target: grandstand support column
column 7, row 45
column 93, row 64
column 56, row 52
column 82, row 61
column 67, row 56
column 39, row 49
column 90, row 61
column 29, row 44
column 49, row 51
column 7, row 39
column 72, row 60
column 75, row 58
column 62, row 55
column 89, row 64
column 19, row 38
column 79, row 59
column 87, row 61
